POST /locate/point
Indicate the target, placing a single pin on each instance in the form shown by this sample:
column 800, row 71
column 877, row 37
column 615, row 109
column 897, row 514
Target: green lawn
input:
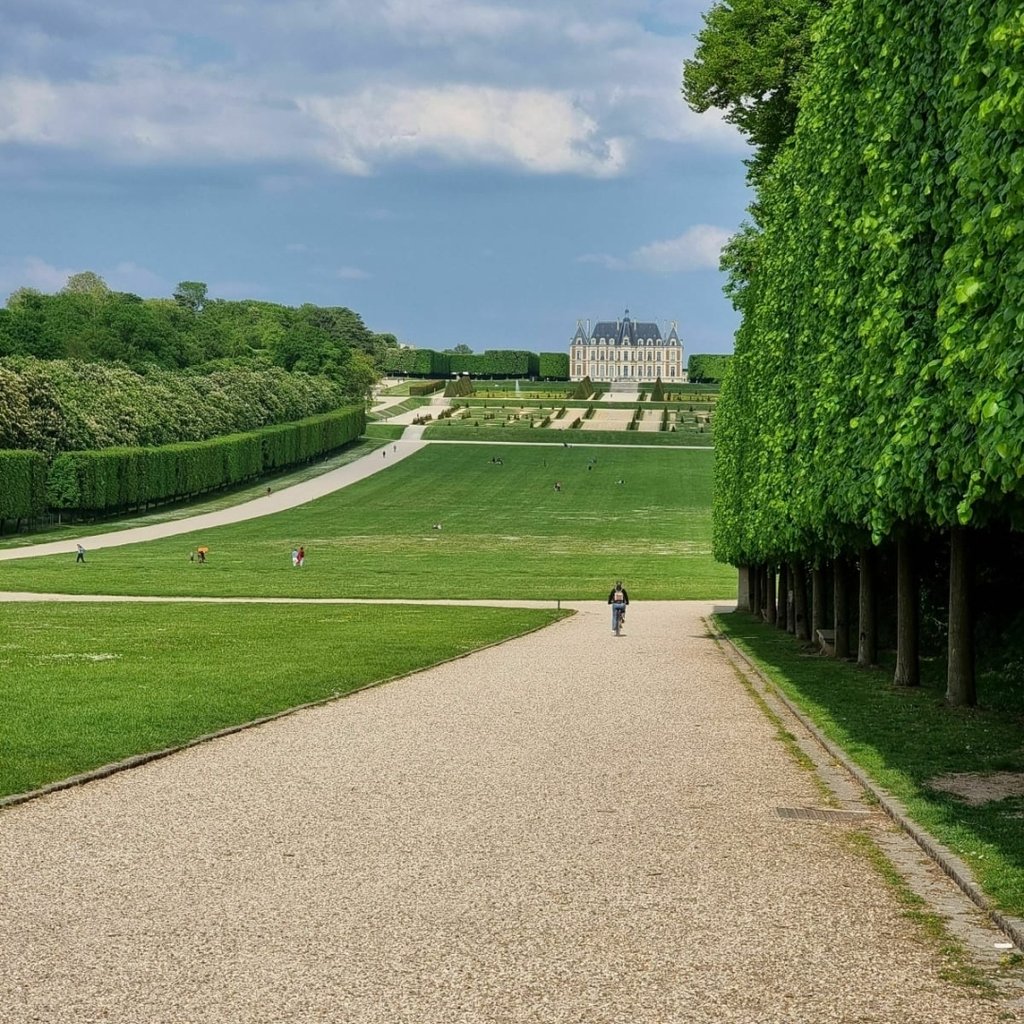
column 492, row 430
column 375, row 437
column 903, row 738
column 505, row 533
column 84, row 685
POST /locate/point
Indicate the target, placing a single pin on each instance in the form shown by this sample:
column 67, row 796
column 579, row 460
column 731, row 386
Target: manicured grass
column 903, row 738
column 384, row 431
column 505, row 533
column 376, row 436
column 490, row 430
column 84, row 685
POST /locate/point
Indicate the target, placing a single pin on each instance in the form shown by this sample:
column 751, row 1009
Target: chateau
column 626, row 349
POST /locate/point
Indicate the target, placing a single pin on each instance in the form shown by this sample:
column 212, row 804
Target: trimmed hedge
column 708, row 369
column 114, row 479
column 553, row 365
column 428, row 387
column 22, row 484
column 459, row 388
column 417, row 362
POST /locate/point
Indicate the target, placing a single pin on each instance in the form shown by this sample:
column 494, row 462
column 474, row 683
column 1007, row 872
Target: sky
column 456, row 171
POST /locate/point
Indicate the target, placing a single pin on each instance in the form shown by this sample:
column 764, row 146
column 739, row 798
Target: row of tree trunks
column 867, row 619
column 908, row 662
column 782, row 600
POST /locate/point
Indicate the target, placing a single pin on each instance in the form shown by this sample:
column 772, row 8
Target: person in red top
column 302, row 556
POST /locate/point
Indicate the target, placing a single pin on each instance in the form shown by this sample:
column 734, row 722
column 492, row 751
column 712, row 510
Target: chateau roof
column 626, row 331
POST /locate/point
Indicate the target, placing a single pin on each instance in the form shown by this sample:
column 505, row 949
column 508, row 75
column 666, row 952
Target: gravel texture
column 567, row 828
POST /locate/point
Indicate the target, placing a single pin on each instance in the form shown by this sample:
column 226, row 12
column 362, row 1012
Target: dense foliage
column 748, row 62
column 89, row 322
column 55, row 406
column 876, row 390
column 553, row 365
column 495, row 363
column 23, row 494
column 115, row 479
column 707, row 369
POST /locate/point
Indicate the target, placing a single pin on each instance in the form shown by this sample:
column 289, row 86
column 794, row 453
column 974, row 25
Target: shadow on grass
column 903, row 738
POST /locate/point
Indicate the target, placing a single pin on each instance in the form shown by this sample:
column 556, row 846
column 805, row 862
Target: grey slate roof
column 632, row 332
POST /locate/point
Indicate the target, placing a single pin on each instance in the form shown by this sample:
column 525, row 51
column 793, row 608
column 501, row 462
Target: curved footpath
column 568, row 827
column 265, row 505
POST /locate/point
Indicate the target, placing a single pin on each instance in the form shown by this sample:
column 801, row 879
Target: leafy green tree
column 748, row 62
column 86, row 283
column 191, row 295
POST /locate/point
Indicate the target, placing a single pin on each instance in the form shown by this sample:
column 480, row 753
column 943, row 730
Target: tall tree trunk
column 867, row 641
column 908, row 662
column 743, row 588
column 771, row 607
column 960, row 687
column 817, row 601
column 801, row 618
column 841, row 569
column 783, row 602
column 758, row 583
column 790, row 602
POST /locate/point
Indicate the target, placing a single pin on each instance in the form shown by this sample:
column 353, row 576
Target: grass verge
column 506, row 533
column 375, row 437
column 903, row 738
column 86, row 685
column 492, row 431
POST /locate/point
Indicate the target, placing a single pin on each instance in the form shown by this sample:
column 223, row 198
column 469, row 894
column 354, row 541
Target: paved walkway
column 276, row 501
column 566, row 828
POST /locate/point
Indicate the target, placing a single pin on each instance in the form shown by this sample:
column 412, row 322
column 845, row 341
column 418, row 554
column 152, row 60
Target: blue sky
column 457, row 171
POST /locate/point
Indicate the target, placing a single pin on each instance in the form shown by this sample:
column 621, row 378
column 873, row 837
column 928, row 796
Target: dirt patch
column 977, row 788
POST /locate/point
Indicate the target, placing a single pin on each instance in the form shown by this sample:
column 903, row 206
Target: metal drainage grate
column 827, row 814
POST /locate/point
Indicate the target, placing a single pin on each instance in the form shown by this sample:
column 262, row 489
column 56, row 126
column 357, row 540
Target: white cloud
column 352, row 274
column 36, row 273
column 534, row 130
column 697, row 248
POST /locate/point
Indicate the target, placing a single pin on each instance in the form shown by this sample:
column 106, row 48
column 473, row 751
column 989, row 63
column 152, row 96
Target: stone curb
column 137, row 760
column 950, row 863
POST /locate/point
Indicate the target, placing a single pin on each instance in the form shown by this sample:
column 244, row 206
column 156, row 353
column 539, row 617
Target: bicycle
column 618, row 614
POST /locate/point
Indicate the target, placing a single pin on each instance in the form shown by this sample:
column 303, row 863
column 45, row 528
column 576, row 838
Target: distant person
column 295, row 557
column 558, row 485
column 201, row 552
column 302, row 556
column 618, row 598
column 79, row 554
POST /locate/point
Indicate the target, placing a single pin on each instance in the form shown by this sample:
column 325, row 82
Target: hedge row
column 708, row 369
column 498, row 363
column 115, row 479
column 23, row 490
column 428, row 387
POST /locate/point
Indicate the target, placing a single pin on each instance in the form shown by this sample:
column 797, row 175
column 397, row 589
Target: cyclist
column 618, row 599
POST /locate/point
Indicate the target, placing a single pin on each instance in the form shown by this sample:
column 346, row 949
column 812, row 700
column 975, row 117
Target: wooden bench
column 826, row 640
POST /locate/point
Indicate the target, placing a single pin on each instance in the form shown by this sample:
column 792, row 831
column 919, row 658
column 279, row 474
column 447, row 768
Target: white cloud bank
column 697, row 248
column 534, row 130
column 151, row 113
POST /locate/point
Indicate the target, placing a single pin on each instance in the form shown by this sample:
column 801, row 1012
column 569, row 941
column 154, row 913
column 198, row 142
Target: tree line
column 89, row 322
column 870, row 431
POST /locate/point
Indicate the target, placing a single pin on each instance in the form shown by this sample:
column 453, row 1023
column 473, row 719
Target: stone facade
column 626, row 350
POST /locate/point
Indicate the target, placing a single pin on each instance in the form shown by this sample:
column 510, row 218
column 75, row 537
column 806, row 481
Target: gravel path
column 265, row 505
column 566, row 828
